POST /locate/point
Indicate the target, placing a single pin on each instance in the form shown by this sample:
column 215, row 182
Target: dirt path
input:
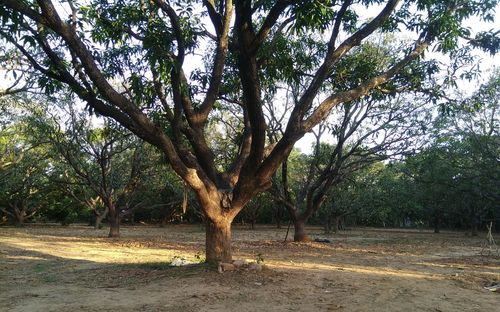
column 78, row 269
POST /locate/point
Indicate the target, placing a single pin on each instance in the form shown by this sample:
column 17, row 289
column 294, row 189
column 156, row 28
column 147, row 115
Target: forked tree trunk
column 114, row 222
column 19, row 213
column 300, row 234
column 99, row 217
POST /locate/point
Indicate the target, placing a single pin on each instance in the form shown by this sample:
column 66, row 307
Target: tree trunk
column 279, row 216
column 336, row 224
column 19, row 214
column 164, row 221
column 20, row 220
column 218, row 241
column 342, row 223
column 99, row 217
column 328, row 227
column 300, row 234
column 114, row 222
column 437, row 223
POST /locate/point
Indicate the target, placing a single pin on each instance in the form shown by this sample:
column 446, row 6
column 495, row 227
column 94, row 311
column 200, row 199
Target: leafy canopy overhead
column 163, row 69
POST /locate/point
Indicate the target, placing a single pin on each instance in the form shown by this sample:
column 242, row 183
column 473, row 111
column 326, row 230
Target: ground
column 76, row 268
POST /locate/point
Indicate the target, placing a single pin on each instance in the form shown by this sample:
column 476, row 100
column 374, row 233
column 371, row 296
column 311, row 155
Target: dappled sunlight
column 30, row 258
column 350, row 268
column 76, row 265
column 99, row 252
column 493, row 271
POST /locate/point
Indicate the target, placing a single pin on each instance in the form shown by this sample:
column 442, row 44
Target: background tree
column 103, row 159
column 22, row 174
column 362, row 133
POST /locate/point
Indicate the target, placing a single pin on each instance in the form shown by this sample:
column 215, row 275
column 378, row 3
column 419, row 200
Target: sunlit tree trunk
column 114, row 221
column 218, row 240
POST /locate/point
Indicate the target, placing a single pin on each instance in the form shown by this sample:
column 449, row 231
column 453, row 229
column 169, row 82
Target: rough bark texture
column 218, row 241
column 300, row 234
column 114, row 223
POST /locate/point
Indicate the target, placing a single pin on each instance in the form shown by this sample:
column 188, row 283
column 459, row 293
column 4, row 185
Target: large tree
column 129, row 60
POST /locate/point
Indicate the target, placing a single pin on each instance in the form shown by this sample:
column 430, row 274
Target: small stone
column 239, row 263
column 227, row 267
column 255, row 267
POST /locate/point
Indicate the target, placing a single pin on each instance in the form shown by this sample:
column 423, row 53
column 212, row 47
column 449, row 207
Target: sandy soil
column 78, row 269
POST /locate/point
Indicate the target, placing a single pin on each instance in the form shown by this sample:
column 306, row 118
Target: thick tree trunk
column 19, row 214
column 20, row 220
column 218, row 241
column 114, row 222
column 300, row 234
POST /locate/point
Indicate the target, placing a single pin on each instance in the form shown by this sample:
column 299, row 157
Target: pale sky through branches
column 195, row 61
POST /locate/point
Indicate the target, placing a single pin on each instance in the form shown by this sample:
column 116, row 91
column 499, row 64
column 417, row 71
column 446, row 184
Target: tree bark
column 99, row 217
column 20, row 220
column 336, row 224
column 114, row 222
column 328, row 224
column 279, row 216
column 19, row 213
column 218, row 240
column 300, row 234
column 437, row 224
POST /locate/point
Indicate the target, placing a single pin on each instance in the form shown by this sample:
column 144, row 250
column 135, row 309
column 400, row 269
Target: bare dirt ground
column 76, row 268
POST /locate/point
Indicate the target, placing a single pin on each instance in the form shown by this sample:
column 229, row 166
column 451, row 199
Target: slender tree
column 104, row 160
column 362, row 132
